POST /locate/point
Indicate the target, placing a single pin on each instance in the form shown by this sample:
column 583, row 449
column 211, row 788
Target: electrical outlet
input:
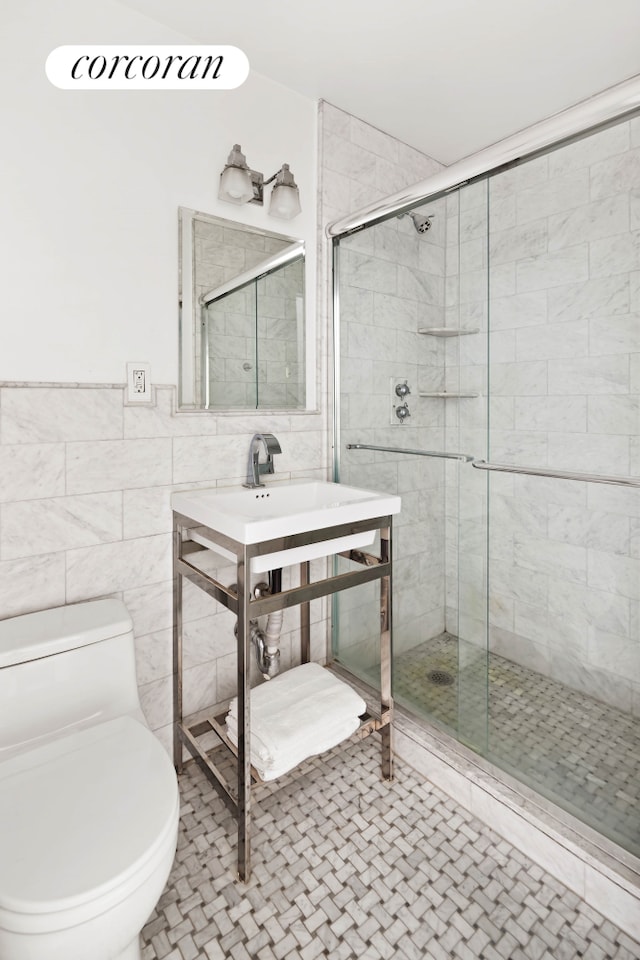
column 139, row 383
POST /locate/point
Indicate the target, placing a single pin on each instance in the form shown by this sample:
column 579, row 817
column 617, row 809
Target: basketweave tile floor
column 560, row 740
column 346, row 865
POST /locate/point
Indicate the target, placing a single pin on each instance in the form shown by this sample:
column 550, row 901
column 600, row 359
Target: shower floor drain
column 441, row 678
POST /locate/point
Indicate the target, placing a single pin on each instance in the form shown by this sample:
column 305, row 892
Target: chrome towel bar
column 507, row 467
column 557, row 474
column 418, row 453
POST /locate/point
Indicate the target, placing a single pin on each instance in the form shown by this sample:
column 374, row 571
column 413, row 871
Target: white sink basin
column 282, row 509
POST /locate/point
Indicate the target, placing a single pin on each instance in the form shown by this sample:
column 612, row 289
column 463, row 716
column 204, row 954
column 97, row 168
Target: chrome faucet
column 255, row 469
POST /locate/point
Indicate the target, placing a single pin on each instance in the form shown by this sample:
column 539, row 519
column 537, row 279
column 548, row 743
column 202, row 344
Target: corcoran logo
column 147, row 67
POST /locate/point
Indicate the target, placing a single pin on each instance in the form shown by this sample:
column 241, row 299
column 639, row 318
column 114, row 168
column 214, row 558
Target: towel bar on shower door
column 557, row 474
column 613, row 480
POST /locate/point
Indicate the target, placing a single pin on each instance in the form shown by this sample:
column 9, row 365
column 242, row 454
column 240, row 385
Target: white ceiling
column 446, row 76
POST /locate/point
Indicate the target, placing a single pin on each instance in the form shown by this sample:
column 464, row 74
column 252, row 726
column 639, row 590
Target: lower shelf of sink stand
column 221, row 760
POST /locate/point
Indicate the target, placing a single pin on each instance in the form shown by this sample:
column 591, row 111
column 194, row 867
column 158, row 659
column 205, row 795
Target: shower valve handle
column 402, row 412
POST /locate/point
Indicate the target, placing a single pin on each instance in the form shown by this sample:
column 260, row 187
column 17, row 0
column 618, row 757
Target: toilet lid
column 81, row 813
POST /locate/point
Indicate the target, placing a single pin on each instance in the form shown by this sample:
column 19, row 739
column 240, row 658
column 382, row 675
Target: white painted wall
column 91, row 186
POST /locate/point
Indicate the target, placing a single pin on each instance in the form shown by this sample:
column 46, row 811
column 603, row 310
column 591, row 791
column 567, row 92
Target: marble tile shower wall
column 85, row 512
column 564, row 371
column 391, row 282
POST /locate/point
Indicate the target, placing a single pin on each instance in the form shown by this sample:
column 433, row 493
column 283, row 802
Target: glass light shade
column 285, row 201
column 235, row 185
column 285, row 197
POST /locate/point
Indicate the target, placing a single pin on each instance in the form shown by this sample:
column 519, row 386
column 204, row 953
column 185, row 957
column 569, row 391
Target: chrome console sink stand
column 236, row 791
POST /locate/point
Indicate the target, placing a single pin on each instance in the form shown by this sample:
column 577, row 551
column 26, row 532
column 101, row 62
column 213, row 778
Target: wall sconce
column 240, row 184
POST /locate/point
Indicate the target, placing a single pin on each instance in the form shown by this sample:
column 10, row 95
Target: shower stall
column 488, row 371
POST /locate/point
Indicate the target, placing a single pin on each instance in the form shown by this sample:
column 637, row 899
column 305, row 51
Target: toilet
column 89, row 802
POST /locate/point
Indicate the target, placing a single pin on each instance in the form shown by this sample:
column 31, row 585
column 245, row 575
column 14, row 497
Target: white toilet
column 89, row 801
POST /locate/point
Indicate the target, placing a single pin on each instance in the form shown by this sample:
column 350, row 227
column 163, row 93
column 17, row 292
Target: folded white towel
column 287, row 762
column 294, row 751
column 300, row 713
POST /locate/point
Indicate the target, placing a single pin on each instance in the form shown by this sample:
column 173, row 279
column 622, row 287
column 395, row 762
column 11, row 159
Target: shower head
column 422, row 224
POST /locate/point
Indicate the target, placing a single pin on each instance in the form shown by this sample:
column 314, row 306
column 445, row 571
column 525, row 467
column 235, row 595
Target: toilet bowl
column 89, row 810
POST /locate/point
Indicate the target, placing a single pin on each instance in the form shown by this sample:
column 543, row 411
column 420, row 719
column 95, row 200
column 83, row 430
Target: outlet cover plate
column 139, row 388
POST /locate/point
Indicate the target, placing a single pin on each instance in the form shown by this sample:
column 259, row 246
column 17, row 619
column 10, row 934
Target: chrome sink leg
column 244, row 719
column 177, row 648
column 386, row 705
column 305, row 617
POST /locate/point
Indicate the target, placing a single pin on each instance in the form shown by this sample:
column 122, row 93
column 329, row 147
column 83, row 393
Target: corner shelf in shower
column 450, row 395
column 446, row 331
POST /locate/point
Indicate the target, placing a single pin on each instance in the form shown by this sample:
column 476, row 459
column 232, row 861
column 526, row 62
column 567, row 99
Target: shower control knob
column 402, row 412
column 402, row 390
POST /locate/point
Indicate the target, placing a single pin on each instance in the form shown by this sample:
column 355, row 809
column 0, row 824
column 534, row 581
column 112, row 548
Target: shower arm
column 507, row 467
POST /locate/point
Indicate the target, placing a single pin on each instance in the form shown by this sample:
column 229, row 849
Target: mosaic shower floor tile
column 576, row 750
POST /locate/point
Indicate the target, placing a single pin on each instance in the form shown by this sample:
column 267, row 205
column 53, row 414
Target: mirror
column 242, row 317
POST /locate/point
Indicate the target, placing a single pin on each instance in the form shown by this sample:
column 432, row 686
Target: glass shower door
column 412, row 308
column 390, row 290
column 564, row 566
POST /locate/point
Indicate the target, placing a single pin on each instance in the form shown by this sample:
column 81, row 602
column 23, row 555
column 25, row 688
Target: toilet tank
column 64, row 668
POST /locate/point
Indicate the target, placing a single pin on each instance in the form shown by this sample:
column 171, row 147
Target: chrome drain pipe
column 266, row 641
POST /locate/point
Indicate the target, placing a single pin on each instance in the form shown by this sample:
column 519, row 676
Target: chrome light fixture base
column 240, row 184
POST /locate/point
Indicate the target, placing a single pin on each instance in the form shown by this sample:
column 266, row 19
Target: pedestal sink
column 283, row 509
